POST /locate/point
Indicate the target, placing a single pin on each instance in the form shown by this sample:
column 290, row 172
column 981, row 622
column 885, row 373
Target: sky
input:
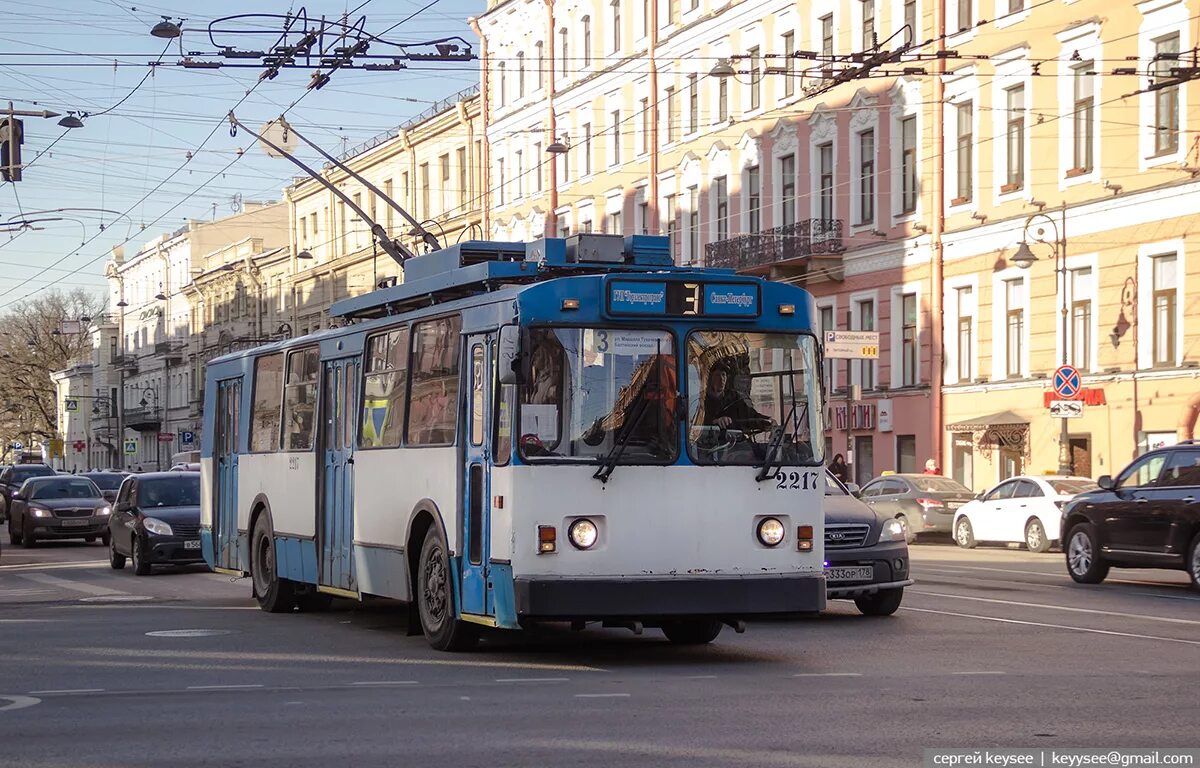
column 133, row 160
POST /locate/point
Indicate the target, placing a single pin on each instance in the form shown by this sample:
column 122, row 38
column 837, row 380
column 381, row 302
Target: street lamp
column 722, row 69
column 1025, row 258
column 166, row 29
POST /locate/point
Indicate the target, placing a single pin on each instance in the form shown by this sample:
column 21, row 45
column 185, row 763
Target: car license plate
column 194, row 544
column 75, row 523
column 850, row 573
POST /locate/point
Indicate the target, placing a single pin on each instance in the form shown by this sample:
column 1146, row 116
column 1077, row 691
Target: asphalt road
column 993, row 647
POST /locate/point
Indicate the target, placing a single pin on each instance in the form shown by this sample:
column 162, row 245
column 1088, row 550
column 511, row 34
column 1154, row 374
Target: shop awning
column 983, row 423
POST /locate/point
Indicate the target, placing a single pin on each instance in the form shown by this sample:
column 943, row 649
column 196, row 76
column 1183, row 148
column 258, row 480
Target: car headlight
column 770, row 531
column 583, row 533
column 105, row 510
column 154, row 525
column 40, row 511
column 892, row 531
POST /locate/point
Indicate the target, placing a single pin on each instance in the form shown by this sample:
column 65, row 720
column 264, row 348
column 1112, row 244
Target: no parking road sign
column 1066, row 382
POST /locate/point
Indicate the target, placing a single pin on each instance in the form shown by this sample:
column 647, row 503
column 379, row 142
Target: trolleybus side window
column 300, row 400
column 264, row 414
column 433, row 404
column 385, row 390
column 477, row 380
column 506, row 395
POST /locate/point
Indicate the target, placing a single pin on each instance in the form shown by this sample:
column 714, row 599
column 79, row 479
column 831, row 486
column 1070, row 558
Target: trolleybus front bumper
column 641, row 598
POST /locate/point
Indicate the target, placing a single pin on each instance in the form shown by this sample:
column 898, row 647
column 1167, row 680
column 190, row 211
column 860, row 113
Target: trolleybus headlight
column 770, row 531
column 583, row 533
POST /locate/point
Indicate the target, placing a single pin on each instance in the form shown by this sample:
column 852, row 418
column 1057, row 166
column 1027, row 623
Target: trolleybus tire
column 435, row 599
column 274, row 595
column 692, row 631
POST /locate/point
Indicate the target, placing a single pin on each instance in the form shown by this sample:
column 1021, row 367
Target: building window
column 961, row 458
column 789, row 64
column 425, row 211
column 1084, row 84
column 827, row 36
column 910, row 21
column 866, row 322
column 721, row 196
column 722, row 99
column 755, row 80
column 866, row 177
column 519, row 174
column 868, row 25
column 587, row 41
column 1014, row 292
column 1015, row 139
column 672, row 115
column 966, row 332
column 787, row 180
column 537, row 165
column 908, row 339
column 613, row 223
column 499, row 178
column 1166, row 100
column 964, row 15
column 906, row 454
column 521, row 75
column 825, row 182
column 1080, row 350
column 587, row 149
column 647, row 10
column 908, row 164
column 693, row 104
column 1016, row 6
column 673, row 228
column 616, row 136
column 643, row 209
column 672, row 11
column 1163, row 306
column 754, row 199
column 693, row 5
column 616, row 26
column 964, row 146
column 827, row 324
column 562, row 44
column 647, row 118
column 541, row 63
column 693, row 224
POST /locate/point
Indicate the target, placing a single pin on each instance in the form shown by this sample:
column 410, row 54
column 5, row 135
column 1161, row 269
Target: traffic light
column 12, row 133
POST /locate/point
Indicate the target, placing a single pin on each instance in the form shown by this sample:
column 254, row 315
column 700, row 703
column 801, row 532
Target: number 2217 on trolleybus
column 562, row 431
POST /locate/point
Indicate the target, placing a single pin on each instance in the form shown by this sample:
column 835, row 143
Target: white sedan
column 1025, row 509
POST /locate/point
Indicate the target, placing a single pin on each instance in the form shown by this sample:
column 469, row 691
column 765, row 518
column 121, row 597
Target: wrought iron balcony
column 800, row 240
column 143, row 419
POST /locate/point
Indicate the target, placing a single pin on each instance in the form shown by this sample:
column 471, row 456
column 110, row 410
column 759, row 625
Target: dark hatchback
column 1147, row 517
column 11, row 479
column 57, row 507
column 866, row 555
column 921, row 503
column 156, row 521
column 108, row 482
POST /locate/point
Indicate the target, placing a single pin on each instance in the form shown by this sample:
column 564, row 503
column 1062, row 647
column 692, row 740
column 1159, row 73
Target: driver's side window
column 1001, row 492
column 124, row 492
column 872, row 489
column 1143, row 473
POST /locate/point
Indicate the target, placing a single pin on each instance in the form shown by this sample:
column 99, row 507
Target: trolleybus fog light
column 804, row 538
column 770, row 531
column 547, row 534
column 583, row 533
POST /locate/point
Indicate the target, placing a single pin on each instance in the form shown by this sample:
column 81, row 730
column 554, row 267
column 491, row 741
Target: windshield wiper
column 765, row 472
column 629, row 426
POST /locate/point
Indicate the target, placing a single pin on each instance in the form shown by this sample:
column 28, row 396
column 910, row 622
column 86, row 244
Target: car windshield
column 21, row 474
column 108, row 481
column 745, row 387
column 169, row 492
column 937, row 485
column 589, row 388
column 1072, row 487
column 65, row 489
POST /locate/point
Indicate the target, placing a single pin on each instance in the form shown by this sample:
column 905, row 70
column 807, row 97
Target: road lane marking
column 827, row 674
column 1059, row 576
column 222, row 687
column 53, row 566
column 18, row 702
column 77, row 586
column 980, row 672
column 602, row 695
column 700, row 677
column 531, row 679
column 387, row 682
column 1087, row 630
column 69, row 690
column 294, row 658
column 1058, row 607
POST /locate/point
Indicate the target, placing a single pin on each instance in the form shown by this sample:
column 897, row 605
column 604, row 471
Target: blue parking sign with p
column 187, row 437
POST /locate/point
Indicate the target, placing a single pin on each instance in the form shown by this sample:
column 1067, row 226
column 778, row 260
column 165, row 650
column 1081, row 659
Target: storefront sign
column 860, row 416
column 885, row 415
column 1087, row 396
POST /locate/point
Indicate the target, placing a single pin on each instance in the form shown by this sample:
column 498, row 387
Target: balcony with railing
column 810, row 245
column 143, row 419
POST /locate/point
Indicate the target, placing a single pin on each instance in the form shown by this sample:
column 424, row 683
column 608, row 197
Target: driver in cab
column 727, row 408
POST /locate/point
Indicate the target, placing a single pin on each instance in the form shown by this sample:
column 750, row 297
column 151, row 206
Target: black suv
column 1147, row 517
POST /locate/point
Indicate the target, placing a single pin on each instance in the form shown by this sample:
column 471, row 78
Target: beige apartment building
column 898, row 199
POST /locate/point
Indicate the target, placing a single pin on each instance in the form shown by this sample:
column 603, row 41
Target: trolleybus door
column 336, row 530
column 225, row 533
column 476, row 505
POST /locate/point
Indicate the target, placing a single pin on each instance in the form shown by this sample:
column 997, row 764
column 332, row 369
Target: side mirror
column 124, row 506
column 1106, row 483
column 979, row 496
column 855, row 489
column 508, row 355
column 18, row 497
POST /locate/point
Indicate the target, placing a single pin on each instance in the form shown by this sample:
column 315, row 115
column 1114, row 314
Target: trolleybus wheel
column 274, row 595
column 435, row 599
column 692, row 631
